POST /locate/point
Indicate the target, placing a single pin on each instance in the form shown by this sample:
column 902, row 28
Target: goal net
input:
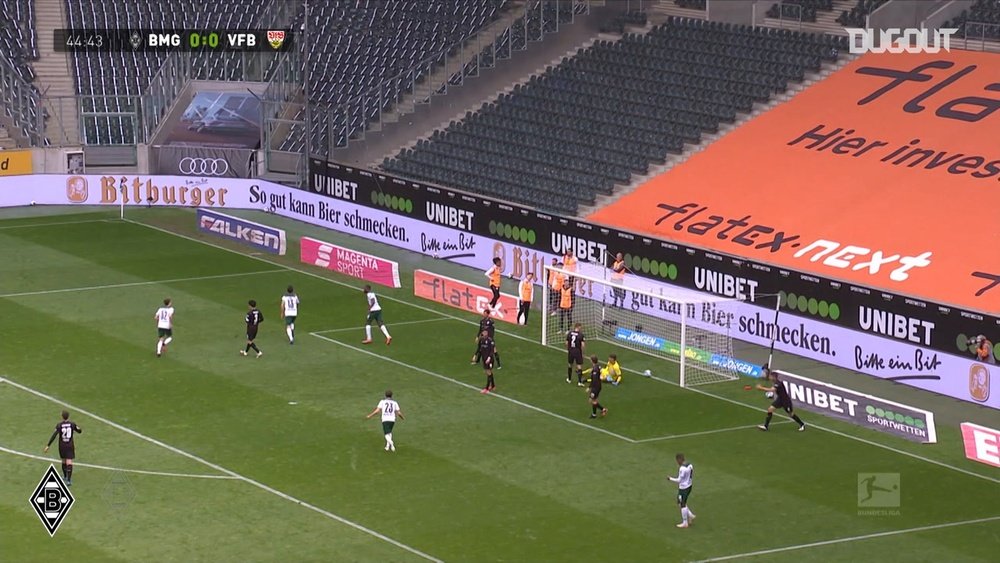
column 687, row 327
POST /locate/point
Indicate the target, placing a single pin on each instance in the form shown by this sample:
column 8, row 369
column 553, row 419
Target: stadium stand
column 794, row 8
column 692, row 4
column 18, row 48
column 983, row 11
column 612, row 109
column 17, row 35
column 858, row 15
column 376, row 42
column 108, row 82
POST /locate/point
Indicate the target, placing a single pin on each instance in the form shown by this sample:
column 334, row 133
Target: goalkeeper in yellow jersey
column 612, row 372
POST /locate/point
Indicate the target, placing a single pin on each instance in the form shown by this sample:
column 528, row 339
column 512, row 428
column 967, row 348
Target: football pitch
column 205, row 455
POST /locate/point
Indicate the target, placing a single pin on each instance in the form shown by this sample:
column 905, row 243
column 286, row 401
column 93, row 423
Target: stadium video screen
column 222, row 119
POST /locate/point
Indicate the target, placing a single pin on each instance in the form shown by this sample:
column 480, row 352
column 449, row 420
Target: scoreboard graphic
column 164, row 40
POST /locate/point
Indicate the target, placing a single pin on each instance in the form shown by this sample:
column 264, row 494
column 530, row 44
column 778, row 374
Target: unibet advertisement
column 902, row 361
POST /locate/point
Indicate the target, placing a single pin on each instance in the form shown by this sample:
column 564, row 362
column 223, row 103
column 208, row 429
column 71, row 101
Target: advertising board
column 861, row 409
column 920, row 323
column 249, row 233
column 349, row 262
column 982, row 444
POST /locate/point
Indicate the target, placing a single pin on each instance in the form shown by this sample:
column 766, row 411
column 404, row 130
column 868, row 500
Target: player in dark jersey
column 575, row 344
column 486, row 323
column 781, row 400
column 595, row 388
column 486, row 350
column 67, row 448
column 253, row 319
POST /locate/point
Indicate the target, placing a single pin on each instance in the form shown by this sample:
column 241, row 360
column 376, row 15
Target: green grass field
column 204, row 455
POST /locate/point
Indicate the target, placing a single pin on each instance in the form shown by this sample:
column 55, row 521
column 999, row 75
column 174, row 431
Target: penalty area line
column 229, row 472
column 706, row 432
column 360, row 328
column 121, row 469
column 473, row 387
column 136, row 284
column 850, row 539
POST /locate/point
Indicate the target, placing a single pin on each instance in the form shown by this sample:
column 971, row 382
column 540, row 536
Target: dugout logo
column 51, row 500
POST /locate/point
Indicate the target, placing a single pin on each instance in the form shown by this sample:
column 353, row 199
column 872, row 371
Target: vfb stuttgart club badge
column 275, row 38
column 51, row 500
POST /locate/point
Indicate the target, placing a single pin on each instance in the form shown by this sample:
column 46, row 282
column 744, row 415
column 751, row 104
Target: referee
column 253, row 320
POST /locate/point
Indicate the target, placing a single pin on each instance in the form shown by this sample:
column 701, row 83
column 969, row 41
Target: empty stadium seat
column 611, row 110
column 106, row 79
column 368, row 43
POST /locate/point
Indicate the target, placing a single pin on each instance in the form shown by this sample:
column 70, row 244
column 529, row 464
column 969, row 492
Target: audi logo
column 203, row 166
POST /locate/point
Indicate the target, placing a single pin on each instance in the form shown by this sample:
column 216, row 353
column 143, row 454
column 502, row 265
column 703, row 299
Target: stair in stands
column 54, row 78
column 826, row 20
column 691, row 150
column 408, row 104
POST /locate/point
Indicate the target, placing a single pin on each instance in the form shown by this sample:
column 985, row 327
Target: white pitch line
column 123, row 470
column 477, row 389
column 134, row 284
column 394, row 325
column 704, row 432
column 229, row 472
column 519, row 337
column 850, row 539
column 51, row 224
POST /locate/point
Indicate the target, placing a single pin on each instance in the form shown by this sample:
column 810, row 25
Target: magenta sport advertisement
column 948, row 374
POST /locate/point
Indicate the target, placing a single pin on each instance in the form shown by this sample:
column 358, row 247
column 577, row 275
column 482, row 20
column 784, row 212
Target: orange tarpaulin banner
column 886, row 174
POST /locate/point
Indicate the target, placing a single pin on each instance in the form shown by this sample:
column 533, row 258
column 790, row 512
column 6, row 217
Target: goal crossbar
column 641, row 317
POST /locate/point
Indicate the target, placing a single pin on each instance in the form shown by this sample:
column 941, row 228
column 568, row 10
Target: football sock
column 388, row 439
column 288, row 331
column 247, row 348
column 767, row 421
column 368, row 332
column 168, row 340
column 496, row 356
column 599, row 406
column 684, row 514
column 255, row 348
column 69, row 472
column 569, row 372
column 796, row 418
column 579, row 375
column 593, row 409
column 385, row 331
column 489, row 382
column 65, row 475
column 159, row 347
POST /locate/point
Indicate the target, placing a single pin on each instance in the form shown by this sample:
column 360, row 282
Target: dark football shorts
column 575, row 356
column 488, row 362
column 779, row 404
column 251, row 333
column 67, row 451
column 594, row 393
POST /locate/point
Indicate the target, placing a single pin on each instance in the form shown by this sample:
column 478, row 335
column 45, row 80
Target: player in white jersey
column 683, row 480
column 290, row 310
column 374, row 316
column 390, row 410
column 164, row 326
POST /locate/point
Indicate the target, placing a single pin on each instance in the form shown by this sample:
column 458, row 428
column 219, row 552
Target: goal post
column 689, row 328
